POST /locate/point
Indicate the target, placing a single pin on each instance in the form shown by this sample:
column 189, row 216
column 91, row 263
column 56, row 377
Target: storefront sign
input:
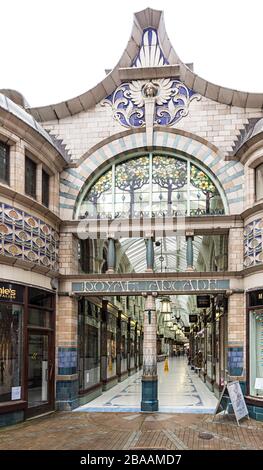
column 203, row 301
column 10, row 292
column 256, row 298
column 162, row 286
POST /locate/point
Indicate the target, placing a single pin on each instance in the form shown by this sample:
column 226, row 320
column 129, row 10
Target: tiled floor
column 122, row 431
column 180, row 391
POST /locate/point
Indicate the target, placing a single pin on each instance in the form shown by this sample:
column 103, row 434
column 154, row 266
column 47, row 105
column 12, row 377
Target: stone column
column 236, row 249
column 111, row 255
column 129, row 345
column 236, row 341
column 118, row 347
column 149, row 378
column 149, row 255
column 136, row 348
column 189, row 251
column 103, row 345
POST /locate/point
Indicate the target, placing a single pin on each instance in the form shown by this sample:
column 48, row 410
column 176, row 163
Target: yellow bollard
column 166, row 365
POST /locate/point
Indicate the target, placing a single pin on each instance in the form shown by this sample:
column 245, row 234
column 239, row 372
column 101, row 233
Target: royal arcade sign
column 162, row 286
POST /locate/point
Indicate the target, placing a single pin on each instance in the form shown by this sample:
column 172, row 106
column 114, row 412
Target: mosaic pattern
column 27, row 238
column 253, row 253
column 150, row 53
column 172, row 100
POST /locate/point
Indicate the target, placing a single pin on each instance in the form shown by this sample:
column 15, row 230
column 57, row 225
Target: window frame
column 28, row 193
column 257, row 198
column 151, row 155
column 44, row 175
column 7, row 169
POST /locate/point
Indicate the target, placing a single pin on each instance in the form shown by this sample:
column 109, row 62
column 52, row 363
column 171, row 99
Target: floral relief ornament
column 172, row 99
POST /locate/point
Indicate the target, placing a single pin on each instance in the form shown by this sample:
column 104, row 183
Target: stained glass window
column 150, row 186
column 204, row 196
column 169, row 185
column 132, row 188
column 98, row 202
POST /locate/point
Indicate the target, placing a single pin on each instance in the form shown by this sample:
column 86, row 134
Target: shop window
column 30, row 177
column 40, row 298
column 132, row 348
column 45, row 188
column 38, row 317
column 4, row 163
column 89, row 341
column 111, row 345
column 11, row 318
column 259, row 182
column 123, row 346
column 256, row 352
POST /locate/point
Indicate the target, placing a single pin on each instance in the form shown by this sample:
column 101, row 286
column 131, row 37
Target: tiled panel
column 235, row 360
column 67, row 361
column 253, row 253
column 28, row 238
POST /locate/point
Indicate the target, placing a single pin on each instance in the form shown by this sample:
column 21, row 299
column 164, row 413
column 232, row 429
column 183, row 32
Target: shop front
column 89, row 346
column 254, row 387
column 27, row 358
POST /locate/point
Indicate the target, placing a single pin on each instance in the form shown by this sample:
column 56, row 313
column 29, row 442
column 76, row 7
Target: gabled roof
column 147, row 66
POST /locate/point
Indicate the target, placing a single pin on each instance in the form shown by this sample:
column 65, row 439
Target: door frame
column 50, row 332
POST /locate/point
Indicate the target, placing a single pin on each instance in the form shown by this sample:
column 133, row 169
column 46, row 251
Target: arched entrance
column 139, row 212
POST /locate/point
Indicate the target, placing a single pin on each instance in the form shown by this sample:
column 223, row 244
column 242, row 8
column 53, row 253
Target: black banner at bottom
column 112, row 459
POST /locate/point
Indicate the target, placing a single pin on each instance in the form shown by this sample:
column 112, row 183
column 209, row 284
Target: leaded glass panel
column 150, row 186
column 98, row 202
column 169, row 178
column 132, row 188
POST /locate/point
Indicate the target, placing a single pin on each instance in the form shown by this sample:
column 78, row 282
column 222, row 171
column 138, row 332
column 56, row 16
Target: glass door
column 39, row 373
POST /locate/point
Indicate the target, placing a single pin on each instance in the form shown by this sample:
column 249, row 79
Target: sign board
column 259, row 383
column 16, row 393
column 232, row 395
column 255, row 298
column 192, row 318
column 11, row 292
column 171, row 286
column 203, row 301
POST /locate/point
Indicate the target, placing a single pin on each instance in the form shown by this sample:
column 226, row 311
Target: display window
column 89, row 345
column 111, row 345
column 11, row 349
column 123, row 346
column 27, row 347
column 256, row 352
column 132, row 348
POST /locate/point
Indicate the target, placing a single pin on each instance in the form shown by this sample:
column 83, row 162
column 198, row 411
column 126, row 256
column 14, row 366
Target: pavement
column 133, row 431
